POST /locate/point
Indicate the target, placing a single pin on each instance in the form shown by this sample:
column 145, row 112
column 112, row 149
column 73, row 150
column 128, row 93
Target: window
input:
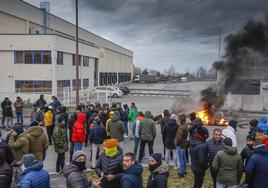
column 74, row 84
column 85, row 83
column 85, row 61
column 32, row 57
column 60, row 58
column 33, row 86
column 63, row 83
column 79, row 60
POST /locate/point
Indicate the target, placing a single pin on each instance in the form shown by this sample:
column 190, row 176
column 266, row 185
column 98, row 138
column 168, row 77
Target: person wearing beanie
column 38, row 141
column 18, row 143
column 5, row 171
column 253, row 127
column 165, row 119
column 229, row 132
column 109, row 166
column 33, row 174
column 169, row 133
column 198, row 153
column 257, row 166
column 159, row 172
column 228, row 165
column 60, row 143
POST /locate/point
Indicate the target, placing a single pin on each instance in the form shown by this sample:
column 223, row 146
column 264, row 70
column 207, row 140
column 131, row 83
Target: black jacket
column 169, row 133
column 5, row 175
column 163, row 122
column 8, row 151
column 159, row 178
column 7, row 108
column 199, row 159
column 245, row 154
column 70, row 125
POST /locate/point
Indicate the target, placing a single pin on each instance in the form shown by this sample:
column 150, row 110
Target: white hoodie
column 230, row 133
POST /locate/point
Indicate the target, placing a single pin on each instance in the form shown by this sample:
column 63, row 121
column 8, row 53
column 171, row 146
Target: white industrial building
column 37, row 54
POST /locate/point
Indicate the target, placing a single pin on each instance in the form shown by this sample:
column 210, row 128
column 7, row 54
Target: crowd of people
column 104, row 129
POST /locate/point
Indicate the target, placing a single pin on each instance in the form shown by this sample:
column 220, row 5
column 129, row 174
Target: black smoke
column 211, row 99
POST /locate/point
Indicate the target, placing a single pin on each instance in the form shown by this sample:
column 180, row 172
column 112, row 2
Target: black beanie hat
column 157, row 157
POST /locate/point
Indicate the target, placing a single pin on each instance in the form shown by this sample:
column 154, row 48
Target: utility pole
column 76, row 57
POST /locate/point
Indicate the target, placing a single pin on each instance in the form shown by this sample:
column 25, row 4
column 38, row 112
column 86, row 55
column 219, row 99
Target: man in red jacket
column 78, row 133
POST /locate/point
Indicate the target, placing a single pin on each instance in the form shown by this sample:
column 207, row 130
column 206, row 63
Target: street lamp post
column 77, row 57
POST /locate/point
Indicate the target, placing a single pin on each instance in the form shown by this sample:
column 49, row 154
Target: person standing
column 48, row 121
column 97, row 136
column 70, row 125
column 5, row 171
column 132, row 115
column 125, row 118
column 135, row 129
column 253, row 127
column 199, row 160
column 132, row 172
column 147, row 134
column 60, row 143
column 116, row 129
column 79, row 132
column 164, row 120
column 181, row 143
column 159, row 172
column 169, row 133
column 34, row 175
column 214, row 145
column 55, row 103
column 7, row 113
column 229, row 132
column 228, row 164
column 41, row 102
column 19, row 105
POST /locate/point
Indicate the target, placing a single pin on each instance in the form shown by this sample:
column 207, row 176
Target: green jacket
column 19, row 146
column 116, row 128
column 147, row 130
column 133, row 114
column 60, row 139
column 228, row 164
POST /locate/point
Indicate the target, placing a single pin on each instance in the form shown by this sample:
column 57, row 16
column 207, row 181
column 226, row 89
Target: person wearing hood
column 19, row 105
column 228, row 165
column 5, row 171
column 135, row 130
column 7, row 112
column 253, row 127
column 245, row 154
column 262, row 125
column 198, row 153
column 132, row 172
column 257, row 166
column 169, row 133
column 79, row 132
column 116, row 129
column 159, row 172
column 18, row 143
column 109, row 166
column 38, row 141
column 41, row 102
column 33, row 175
column 164, row 120
column 229, row 132
column 147, row 133
column 60, row 143
column 48, row 121
column 75, row 178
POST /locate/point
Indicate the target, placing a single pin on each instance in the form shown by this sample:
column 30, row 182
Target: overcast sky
column 182, row 33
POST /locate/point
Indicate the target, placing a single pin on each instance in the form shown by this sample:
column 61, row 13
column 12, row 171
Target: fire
column 209, row 119
column 204, row 116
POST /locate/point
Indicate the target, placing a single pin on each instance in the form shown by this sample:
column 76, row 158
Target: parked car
column 124, row 89
column 111, row 91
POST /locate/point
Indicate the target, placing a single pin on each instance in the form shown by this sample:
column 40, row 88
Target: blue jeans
column 19, row 117
column 126, row 127
column 78, row 146
column 219, row 185
column 182, row 159
column 136, row 144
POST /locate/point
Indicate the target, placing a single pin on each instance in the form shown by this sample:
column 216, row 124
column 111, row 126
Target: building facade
column 37, row 54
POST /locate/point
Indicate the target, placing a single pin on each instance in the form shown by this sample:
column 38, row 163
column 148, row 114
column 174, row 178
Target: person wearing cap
column 159, row 172
column 5, row 171
column 38, row 141
column 109, row 165
column 48, row 121
column 229, row 132
column 79, row 132
column 147, row 134
column 132, row 172
column 198, row 153
column 60, row 143
column 33, row 174
column 18, row 143
column 116, row 129
column 257, row 166
column 19, row 105
column 169, row 133
column 245, row 154
column 228, row 165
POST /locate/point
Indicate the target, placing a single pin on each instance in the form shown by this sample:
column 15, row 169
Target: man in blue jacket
column 132, row 174
column 33, row 176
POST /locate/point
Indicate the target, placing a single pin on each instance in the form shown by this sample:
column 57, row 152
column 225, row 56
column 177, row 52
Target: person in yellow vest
column 48, row 120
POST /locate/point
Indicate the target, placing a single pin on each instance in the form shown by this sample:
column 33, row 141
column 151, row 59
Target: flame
column 208, row 119
column 204, row 116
